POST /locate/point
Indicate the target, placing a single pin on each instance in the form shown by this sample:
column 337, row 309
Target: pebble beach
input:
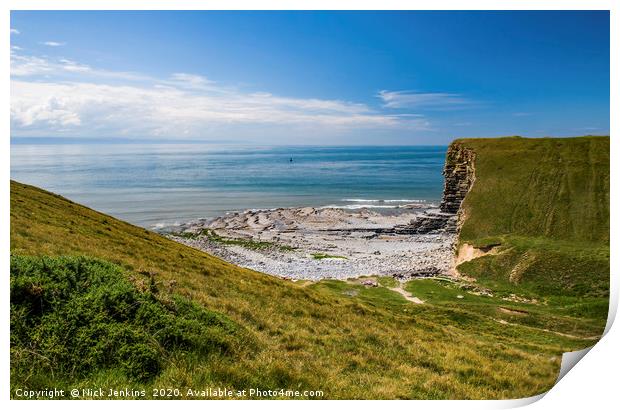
column 314, row 243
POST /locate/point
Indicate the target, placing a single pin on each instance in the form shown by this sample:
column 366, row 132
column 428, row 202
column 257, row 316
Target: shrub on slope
column 70, row 315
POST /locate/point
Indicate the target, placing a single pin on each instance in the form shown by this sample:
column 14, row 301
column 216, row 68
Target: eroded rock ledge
column 459, row 175
column 319, row 243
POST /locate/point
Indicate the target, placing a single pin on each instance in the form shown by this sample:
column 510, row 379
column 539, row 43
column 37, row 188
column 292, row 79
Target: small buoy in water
column 290, row 160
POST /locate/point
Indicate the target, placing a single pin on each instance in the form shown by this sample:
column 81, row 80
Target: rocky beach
column 404, row 241
column 412, row 240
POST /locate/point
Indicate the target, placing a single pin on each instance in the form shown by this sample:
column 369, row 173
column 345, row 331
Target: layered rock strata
column 459, row 176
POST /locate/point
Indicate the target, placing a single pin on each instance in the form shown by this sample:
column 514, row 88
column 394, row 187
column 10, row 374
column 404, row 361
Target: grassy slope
column 552, row 187
column 546, row 201
column 341, row 337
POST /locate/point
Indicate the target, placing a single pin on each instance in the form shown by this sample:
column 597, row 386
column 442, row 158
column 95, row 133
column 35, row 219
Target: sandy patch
column 408, row 295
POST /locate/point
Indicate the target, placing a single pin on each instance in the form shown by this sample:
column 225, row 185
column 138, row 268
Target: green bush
column 70, row 315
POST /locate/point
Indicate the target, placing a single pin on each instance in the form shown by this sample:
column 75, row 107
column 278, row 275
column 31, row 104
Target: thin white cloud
column 73, row 66
column 22, row 65
column 64, row 97
column 53, row 43
column 412, row 99
column 521, row 114
column 14, row 31
column 190, row 81
column 29, row 65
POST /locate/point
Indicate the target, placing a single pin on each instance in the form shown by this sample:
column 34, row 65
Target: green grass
column 575, row 316
column 349, row 340
column 320, row 256
column 388, row 281
column 74, row 315
column 545, row 202
column 551, row 187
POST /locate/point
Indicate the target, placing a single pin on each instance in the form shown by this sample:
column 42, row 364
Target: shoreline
column 314, row 243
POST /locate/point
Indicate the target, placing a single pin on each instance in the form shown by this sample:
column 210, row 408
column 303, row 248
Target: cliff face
column 459, row 176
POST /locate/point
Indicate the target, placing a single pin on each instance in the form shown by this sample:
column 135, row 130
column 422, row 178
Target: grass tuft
column 320, row 256
column 248, row 243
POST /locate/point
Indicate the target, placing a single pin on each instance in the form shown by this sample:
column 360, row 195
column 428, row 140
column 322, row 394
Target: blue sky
column 309, row 77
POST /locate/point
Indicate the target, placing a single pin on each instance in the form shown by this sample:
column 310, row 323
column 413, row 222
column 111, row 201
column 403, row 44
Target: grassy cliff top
column 544, row 202
column 556, row 188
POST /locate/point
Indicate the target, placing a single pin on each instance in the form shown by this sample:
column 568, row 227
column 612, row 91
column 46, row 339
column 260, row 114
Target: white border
column 593, row 382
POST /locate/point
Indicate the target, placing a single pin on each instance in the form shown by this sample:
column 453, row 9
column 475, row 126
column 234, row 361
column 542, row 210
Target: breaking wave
column 384, row 200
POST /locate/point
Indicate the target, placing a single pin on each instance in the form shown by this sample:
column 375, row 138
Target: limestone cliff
column 459, row 176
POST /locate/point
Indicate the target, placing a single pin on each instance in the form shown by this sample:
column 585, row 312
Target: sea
column 162, row 185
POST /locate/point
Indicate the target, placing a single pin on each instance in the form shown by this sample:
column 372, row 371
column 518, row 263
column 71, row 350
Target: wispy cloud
column 190, row 80
column 65, row 97
column 14, row 31
column 29, row 65
column 420, row 100
column 23, row 65
column 521, row 114
column 70, row 65
column 53, row 43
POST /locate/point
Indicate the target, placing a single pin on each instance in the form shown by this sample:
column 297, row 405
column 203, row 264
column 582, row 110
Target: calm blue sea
column 156, row 185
